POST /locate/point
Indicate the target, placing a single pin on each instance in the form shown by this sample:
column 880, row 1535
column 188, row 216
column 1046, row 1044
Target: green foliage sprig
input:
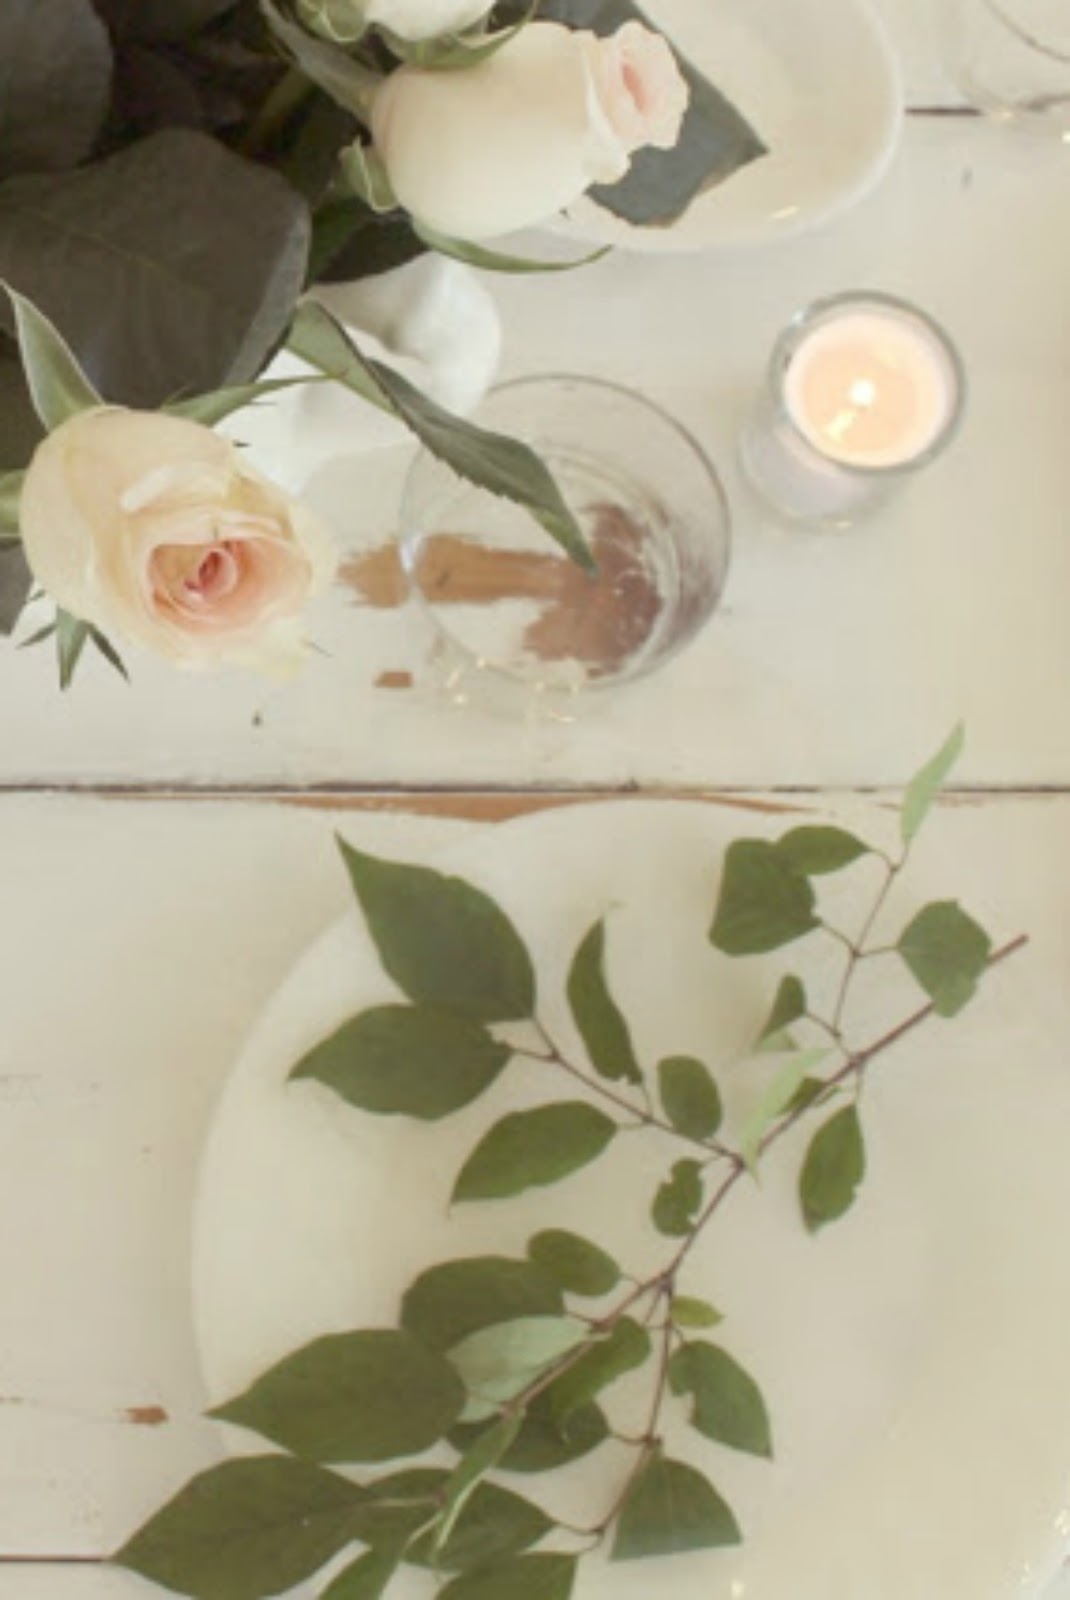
column 507, row 1362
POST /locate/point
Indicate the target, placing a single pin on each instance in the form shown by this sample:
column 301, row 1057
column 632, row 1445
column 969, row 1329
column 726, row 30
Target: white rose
column 154, row 529
column 483, row 150
column 409, row 19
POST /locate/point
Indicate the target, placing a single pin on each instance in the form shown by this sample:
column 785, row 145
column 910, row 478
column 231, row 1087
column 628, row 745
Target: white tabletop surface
column 836, row 664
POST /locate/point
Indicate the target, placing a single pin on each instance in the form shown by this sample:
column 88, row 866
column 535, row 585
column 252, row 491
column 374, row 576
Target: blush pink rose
column 639, row 86
column 155, row 530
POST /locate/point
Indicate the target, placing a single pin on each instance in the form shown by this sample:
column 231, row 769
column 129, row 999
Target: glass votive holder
column 517, row 626
column 1011, row 59
column 863, row 391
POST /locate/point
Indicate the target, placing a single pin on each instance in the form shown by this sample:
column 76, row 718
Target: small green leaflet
column 834, row 1167
column 687, row 1312
column 597, row 1015
column 671, row 1508
column 764, row 901
column 400, row 1510
column 365, row 1579
column 947, row 951
column 579, row 1266
column 454, row 1298
column 815, row 851
column 625, row 1347
column 58, row 386
column 690, row 1096
column 924, row 788
column 788, row 1007
column 543, row 1445
column 778, row 1097
column 530, row 1149
column 482, row 1458
column 728, row 1405
column 679, row 1200
column 535, row 1577
column 498, row 1363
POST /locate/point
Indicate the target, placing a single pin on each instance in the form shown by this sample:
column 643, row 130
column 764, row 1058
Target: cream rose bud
column 154, row 529
column 486, row 149
column 409, row 19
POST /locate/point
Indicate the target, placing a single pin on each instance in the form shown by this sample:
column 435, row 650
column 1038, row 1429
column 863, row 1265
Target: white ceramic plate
column 820, row 84
column 913, row 1357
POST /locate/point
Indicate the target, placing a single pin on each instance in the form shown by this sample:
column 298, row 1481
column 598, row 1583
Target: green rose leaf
column 535, row 1577
column 451, row 1300
column 491, row 461
column 413, row 1061
column 365, row 1579
column 246, row 1529
column 679, row 1200
column 498, row 1363
column 671, row 1508
column 209, row 409
column 834, row 1167
column 530, row 1149
column 364, row 1396
column 728, row 1404
column 58, row 387
column 814, row 851
column 57, row 78
column 543, row 1444
column 348, row 84
column 579, row 1266
column 779, row 1097
column 687, row 1312
column 789, row 1005
column 597, row 1015
column 442, row 940
column 625, row 1347
column 925, row 787
column 690, row 1096
column 947, row 952
column 764, row 902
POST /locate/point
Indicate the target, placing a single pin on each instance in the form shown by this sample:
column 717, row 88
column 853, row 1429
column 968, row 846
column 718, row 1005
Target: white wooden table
column 155, row 900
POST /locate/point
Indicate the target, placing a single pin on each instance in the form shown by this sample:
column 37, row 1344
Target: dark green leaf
column 543, row 1444
column 671, row 1508
column 728, row 1403
column 530, row 1149
column 815, row 851
column 690, row 1096
column 780, row 1095
column 687, row 1312
column 715, row 140
column 364, row 1396
column 482, row 1457
column 350, row 241
column 414, row 1061
column 497, row 1364
column 443, row 941
column 365, row 1579
column 246, row 1529
column 477, row 255
column 170, row 267
column 576, row 1264
column 56, row 78
column 947, row 952
column 537, row 1577
column 491, row 461
column 764, row 901
column 397, row 1508
column 808, row 1094
column 454, row 1298
column 788, row 1007
column 835, row 1166
column 597, row 1015
column 104, row 647
column 923, row 789
column 678, row 1200
column 160, row 21
column 58, row 386
column 625, row 1347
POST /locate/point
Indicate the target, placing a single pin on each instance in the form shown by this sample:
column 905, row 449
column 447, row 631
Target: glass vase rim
column 1025, row 35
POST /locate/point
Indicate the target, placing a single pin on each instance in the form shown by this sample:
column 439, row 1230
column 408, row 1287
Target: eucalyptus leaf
column 728, row 1405
column 245, row 1529
column 834, row 1167
column 625, row 1347
column 497, row 1364
column 597, row 1015
column 57, row 66
column 764, row 901
column 579, row 1266
column 543, row 1444
column 443, row 941
column 365, row 1579
column 815, row 851
column 947, row 951
column 529, row 1149
column 678, row 1200
column 528, row 1577
column 478, row 255
column 363, row 1396
column 690, row 1096
column 58, row 386
column 780, row 1094
column 789, row 1005
column 670, row 1508
column 687, row 1312
column 491, row 461
column 414, row 1061
column 171, row 267
column 925, row 786
column 454, row 1298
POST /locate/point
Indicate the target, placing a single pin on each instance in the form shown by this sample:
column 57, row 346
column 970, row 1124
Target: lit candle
column 864, row 390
